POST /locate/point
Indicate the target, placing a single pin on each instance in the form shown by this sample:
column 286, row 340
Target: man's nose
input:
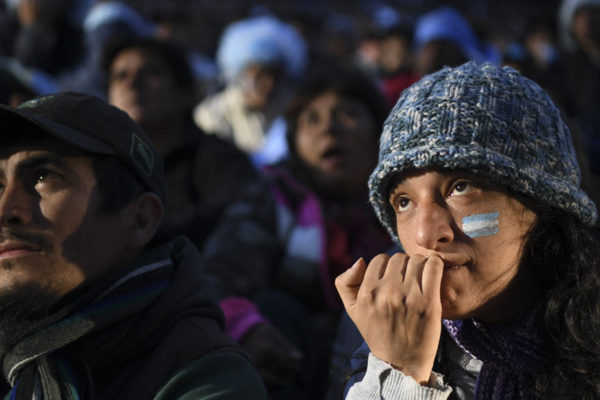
column 434, row 225
column 15, row 205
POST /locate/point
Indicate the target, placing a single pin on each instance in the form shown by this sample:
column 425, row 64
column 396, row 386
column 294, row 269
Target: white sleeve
column 382, row 381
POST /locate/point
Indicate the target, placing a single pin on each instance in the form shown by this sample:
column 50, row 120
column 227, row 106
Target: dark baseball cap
column 90, row 124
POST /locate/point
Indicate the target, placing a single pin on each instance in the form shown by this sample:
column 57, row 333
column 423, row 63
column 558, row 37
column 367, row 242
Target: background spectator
column 152, row 81
column 276, row 266
column 258, row 58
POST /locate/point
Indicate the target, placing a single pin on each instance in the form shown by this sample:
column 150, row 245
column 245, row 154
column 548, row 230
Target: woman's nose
column 434, row 226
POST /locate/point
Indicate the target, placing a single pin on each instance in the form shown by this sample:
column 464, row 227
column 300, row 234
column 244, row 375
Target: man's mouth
column 15, row 249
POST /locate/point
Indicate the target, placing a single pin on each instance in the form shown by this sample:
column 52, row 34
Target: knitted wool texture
column 490, row 121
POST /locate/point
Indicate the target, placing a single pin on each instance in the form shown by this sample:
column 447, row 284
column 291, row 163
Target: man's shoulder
column 220, row 375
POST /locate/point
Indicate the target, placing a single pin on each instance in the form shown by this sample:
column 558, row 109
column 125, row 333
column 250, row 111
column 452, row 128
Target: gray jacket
column 382, row 381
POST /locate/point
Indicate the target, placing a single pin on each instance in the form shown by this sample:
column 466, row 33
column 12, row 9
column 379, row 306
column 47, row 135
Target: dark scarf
column 511, row 354
column 43, row 366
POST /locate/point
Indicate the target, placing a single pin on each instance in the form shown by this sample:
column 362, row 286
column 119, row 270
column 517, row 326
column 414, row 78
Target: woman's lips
column 333, row 156
column 454, row 262
column 452, row 267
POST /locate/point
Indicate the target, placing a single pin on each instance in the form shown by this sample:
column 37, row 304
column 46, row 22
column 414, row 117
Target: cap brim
column 59, row 131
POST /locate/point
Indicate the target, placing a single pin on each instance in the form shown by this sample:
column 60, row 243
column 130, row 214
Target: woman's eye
column 347, row 111
column 460, row 188
column 402, row 204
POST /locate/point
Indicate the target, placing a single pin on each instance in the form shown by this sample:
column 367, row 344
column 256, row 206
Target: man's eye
column 42, row 176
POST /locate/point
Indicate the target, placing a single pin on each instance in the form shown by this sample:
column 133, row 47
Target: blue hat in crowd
column 489, row 120
column 445, row 23
column 261, row 40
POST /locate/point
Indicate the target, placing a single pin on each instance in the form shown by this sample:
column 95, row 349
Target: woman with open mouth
column 282, row 304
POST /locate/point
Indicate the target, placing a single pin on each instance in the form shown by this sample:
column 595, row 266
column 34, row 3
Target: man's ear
column 146, row 213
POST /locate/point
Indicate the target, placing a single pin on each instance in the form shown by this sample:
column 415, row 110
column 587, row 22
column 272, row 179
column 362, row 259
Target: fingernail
column 356, row 263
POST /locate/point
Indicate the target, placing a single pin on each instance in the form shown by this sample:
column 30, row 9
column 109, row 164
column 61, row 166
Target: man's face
column 141, row 84
column 51, row 235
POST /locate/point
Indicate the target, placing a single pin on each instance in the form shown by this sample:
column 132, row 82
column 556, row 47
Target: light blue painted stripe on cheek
column 481, row 224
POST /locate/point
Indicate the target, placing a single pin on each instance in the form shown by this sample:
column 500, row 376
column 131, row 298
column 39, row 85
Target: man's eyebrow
column 42, row 159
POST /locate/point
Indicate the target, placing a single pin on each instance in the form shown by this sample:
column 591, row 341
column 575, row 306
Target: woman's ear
column 145, row 216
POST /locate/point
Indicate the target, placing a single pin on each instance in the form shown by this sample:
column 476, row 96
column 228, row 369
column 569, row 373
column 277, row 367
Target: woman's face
column 336, row 138
column 478, row 232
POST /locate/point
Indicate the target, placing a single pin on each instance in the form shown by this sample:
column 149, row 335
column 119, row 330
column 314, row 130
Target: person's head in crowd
column 516, row 56
column 339, row 37
column 97, row 297
column 44, row 37
column 103, row 23
column 443, row 37
column 45, row 13
column 479, row 182
column 260, row 56
column 395, row 50
column 334, row 120
column 579, row 22
column 19, row 83
column 393, row 33
column 152, row 81
column 539, row 39
column 109, row 18
column 81, row 198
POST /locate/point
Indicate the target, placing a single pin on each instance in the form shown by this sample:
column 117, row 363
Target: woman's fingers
column 349, row 282
column 414, row 271
column 395, row 304
column 396, row 268
column 376, row 269
column 433, row 271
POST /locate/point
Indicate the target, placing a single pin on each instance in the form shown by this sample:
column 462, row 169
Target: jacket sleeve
column 218, row 376
column 382, row 381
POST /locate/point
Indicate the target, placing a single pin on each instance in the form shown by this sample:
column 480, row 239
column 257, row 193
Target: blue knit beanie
column 486, row 119
column 261, row 40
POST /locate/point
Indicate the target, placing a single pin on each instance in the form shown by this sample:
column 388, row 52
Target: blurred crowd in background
column 58, row 44
column 239, row 96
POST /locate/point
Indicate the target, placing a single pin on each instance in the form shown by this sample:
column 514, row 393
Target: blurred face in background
column 394, row 51
column 336, row 137
column 436, row 54
column 260, row 83
column 586, row 27
column 143, row 85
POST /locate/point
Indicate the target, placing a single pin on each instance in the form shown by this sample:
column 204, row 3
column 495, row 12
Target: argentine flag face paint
column 481, row 224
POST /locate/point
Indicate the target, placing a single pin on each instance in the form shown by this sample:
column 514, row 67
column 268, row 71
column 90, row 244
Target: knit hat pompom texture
column 488, row 120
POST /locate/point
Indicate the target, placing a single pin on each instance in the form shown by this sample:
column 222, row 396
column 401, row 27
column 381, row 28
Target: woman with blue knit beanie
column 497, row 292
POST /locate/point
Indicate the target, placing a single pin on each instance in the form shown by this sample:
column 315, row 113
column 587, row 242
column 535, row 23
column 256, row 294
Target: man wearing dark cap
column 94, row 301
